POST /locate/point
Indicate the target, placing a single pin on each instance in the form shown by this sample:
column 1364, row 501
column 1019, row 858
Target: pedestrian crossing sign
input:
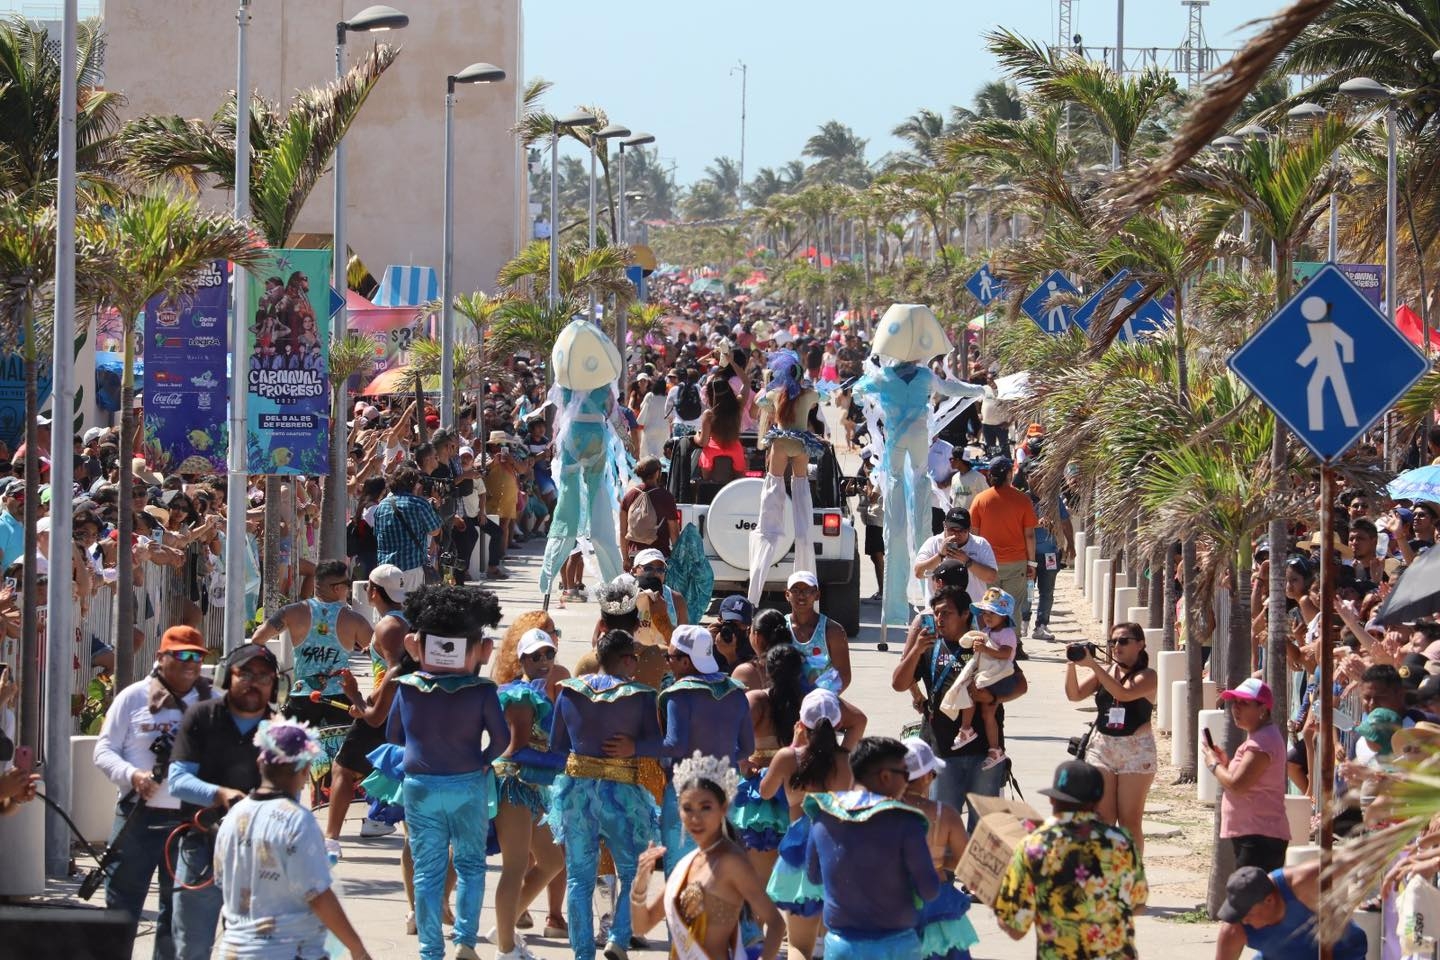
column 1053, row 318
column 986, row 285
column 1329, row 364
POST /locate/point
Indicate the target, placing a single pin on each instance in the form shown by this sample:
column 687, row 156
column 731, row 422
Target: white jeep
column 726, row 510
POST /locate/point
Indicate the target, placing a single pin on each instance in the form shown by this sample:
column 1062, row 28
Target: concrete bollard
column 1298, row 810
column 92, row 796
column 360, row 599
column 1101, row 583
column 1305, row 853
column 1209, row 695
column 1169, row 667
column 1180, row 715
column 1207, row 788
column 1137, row 615
column 1080, row 560
column 1371, row 921
column 1092, row 557
column 22, row 837
column 1125, row 598
column 284, row 652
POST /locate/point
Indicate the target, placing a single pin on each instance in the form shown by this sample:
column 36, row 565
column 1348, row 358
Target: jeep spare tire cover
column 734, row 515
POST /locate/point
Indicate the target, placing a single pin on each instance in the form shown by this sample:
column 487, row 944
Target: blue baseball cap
column 736, row 607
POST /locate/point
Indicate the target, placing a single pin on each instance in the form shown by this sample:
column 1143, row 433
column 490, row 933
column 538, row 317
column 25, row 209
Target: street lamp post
column 377, row 19
column 568, row 122
column 1366, row 90
column 475, row 73
column 637, row 140
column 236, row 481
column 1309, row 113
column 607, row 132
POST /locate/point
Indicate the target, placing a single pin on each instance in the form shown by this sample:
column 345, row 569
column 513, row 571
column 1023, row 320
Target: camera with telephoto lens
column 1077, row 746
column 1075, row 652
column 161, row 746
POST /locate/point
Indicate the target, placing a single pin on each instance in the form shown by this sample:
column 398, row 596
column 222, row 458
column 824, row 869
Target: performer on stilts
column 789, row 446
column 908, row 336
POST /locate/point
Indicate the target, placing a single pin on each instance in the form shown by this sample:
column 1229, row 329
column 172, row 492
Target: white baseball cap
column 920, row 758
column 535, row 639
column 697, row 644
column 802, row 576
column 819, row 704
column 391, row 579
column 649, row 555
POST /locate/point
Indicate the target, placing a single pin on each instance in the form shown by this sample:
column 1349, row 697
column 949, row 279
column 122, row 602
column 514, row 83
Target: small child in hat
column 988, row 676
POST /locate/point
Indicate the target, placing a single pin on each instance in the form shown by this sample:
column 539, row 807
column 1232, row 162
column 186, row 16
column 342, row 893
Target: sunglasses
column 654, row 568
column 672, row 657
column 188, row 656
column 542, row 654
column 1124, row 641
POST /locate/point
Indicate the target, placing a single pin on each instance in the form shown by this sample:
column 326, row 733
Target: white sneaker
column 463, row 952
column 333, row 851
column 374, row 828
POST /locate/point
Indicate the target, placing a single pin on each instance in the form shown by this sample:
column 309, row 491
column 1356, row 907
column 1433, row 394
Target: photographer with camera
column 133, row 751
column 956, row 542
column 213, row 765
column 1120, row 741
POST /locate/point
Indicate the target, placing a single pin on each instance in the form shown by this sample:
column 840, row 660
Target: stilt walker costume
column 784, row 432
column 899, row 395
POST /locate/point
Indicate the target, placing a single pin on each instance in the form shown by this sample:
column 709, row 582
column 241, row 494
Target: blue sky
column 664, row 67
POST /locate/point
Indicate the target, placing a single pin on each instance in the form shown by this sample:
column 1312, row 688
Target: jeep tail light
column 831, row 525
column 754, row 473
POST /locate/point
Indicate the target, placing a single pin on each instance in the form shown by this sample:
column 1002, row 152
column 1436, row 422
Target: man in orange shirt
column 1006, row 518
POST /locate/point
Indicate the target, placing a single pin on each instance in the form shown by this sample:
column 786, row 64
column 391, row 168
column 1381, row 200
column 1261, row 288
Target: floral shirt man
column 1079, row 881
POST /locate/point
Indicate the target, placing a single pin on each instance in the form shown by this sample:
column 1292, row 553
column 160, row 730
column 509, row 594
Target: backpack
column 642, row 519
column 687, row 404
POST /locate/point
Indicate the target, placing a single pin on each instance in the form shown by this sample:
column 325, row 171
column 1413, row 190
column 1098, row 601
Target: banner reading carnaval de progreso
column 287, row 363
column 186, row 343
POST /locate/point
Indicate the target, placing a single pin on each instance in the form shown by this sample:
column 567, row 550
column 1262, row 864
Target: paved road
column 1038, row 727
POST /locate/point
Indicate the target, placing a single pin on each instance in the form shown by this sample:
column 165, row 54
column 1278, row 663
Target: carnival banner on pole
column 186, row 348
column 287, row 363
column 1369, row 278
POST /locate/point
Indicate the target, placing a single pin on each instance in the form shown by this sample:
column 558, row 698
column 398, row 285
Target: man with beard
column 212, row 766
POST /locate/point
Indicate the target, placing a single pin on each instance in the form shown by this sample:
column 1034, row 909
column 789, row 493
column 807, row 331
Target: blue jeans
column 445, row 814
column 900, row 945
column 1044, row 594
column 196, row 913
column 139, row 855
column 673, row 835
column 963, row 776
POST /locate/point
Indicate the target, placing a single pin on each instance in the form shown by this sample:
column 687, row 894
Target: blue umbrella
column 1422, row 483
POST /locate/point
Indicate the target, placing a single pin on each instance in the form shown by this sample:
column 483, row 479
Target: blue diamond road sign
column 337, row 300
column 1051, row 318
column 1148, row 318
column 986, row 286
column 1328, row 363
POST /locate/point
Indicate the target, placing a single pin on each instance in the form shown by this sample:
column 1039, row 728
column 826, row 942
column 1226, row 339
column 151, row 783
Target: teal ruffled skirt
column 575, row 799
column 789, row 886
column 384, row 781
column 945, row 931
column 530, row 789
column 761, row 823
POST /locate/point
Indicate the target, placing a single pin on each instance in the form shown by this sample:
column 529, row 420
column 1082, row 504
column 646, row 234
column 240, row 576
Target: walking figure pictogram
column 1330, row 349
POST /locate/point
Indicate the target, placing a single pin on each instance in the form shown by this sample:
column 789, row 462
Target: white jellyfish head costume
column 910, row 333
column 592, row 463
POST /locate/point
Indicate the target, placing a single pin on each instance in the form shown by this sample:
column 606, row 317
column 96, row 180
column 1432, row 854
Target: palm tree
column 582, row 273
column 30, row 105
column 839, row 154
column 290, row 148
column 1283, row 182
column 156, row 244
column 765, row 184
column 999, row 100
column 922, row 129
column 350, row 357
column 724, row 175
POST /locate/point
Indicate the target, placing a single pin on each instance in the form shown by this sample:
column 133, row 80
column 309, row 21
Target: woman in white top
column 654, row 424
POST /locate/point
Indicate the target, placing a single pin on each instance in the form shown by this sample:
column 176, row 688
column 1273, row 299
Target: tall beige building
column 179, row 57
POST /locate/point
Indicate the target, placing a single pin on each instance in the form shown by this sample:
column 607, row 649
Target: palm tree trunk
column 1277, row 670
column 276, row 522
column 1236, row 667
column 125, row 552
column 1172, row 598
column 1194, row 655
column 1155, row 602
column 31, row 680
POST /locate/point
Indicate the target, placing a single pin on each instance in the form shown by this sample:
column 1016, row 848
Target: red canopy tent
column 1409, row 323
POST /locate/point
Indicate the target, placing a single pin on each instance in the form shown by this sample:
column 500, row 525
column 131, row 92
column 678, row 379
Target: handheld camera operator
column 213, row 766
column 133, row 751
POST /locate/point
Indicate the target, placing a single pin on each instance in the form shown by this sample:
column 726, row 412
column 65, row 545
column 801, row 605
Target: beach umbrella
column 1416, row 594
column 584, row 357
column 910, row 332
column 1422, row 483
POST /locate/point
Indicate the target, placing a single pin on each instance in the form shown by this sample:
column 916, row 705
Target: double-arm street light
column 571, row 121
column 475, row 73
column 376, row 19
column 635, row 140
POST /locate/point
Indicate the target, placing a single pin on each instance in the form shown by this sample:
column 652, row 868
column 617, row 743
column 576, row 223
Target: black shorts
column 1253, row 850
column 874, row 540
column 361, row 739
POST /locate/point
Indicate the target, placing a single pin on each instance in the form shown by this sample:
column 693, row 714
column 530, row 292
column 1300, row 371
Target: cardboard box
column 1002, row 825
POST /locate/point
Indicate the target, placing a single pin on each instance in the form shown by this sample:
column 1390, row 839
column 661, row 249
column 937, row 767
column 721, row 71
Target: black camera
column 1077, row 746
column 1075, row 652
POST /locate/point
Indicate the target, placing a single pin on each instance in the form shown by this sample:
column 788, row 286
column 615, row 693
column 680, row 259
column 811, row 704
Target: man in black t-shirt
column 934, row 661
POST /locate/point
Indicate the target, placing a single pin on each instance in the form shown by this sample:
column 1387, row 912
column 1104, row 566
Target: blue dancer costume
column 525, row 776
column 448, row 791
column 592, row 466
column 761, row 823
column 899, row 395
column 859, row 834
column 599, row 797
column 707, row 712
column 790, row 885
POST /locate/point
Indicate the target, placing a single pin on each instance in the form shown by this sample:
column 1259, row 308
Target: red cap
column 1254, row 690
column 180, row 639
